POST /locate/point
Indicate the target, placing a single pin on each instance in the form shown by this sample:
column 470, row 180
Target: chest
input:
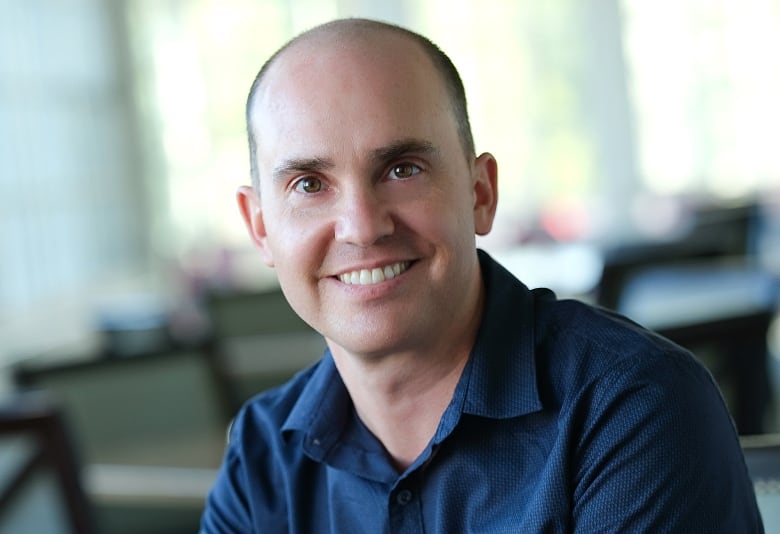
column 506, row 476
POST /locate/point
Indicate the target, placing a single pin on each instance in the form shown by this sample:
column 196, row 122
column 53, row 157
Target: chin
column 369, row 344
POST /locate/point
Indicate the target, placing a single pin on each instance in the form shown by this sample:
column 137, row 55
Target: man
column 451, row 397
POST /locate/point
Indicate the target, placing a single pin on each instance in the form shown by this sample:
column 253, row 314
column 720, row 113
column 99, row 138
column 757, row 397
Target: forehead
column 345, row 93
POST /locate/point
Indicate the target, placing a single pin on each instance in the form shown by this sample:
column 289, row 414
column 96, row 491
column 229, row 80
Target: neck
column 403, row 410
column 401, row 397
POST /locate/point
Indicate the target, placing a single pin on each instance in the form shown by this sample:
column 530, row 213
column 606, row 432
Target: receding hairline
column 340, row 30
column 348, row 31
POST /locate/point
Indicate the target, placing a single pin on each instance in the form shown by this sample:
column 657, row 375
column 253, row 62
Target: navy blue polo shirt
column 566, row 419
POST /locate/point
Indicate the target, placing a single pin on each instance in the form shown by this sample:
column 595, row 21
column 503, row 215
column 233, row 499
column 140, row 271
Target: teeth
column 365, row 277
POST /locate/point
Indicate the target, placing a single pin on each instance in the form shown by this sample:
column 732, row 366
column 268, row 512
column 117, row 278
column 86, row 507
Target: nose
column 363, row 217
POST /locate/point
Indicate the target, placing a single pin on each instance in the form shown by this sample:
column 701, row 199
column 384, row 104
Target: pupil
column 311, row 185
column 402, row 171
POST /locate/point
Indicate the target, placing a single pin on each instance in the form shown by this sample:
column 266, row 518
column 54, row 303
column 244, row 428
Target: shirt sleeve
column 227, row 509
column 249, row 492
column 658, row 452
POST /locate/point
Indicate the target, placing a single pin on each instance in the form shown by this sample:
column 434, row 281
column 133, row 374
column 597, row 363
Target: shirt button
column 403, row 497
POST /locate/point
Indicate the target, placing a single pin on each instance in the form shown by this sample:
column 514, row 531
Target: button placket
column 405, row 508
column 404, row 497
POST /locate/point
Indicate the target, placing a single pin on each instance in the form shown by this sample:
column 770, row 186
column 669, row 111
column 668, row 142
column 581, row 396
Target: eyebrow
column 301, row 165
column 401, row 148
column 379, row 155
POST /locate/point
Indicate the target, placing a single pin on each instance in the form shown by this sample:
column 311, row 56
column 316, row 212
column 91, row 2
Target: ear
column 251, row 211
column 485, row 192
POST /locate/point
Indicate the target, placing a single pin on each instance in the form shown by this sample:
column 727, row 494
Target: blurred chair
column 151, row 429
column 714, row 233
column 132, row 499
column 762, row 456
column 40, row 487
column 260, row 342
column 160, row 408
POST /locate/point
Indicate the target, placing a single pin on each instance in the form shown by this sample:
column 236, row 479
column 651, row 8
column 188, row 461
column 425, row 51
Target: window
column 122, row 132
column 71, row 190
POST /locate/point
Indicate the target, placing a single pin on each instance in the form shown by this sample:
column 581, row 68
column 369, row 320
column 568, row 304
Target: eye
column 309, row 185
column 404, row 170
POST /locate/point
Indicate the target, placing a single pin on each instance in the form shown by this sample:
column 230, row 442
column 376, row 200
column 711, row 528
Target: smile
column 364, row 277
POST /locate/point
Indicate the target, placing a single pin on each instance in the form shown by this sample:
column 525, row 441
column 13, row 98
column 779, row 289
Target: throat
column 404, row 415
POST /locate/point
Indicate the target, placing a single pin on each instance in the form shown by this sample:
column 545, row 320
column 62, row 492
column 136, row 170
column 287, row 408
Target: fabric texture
column 567, row 418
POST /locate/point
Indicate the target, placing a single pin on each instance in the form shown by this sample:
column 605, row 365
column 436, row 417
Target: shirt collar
column 499, row 381
column 330, row 430
column 321, row 410
column 502, row 382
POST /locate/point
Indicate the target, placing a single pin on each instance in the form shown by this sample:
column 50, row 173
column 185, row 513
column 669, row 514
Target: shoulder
column 644, row 421
column 588, row 343
column 578, row 352
column 612, row 377
column 253, row 472
column 568, row 335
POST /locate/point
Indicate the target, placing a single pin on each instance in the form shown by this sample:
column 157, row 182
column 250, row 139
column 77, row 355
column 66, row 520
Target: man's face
column 368, row 206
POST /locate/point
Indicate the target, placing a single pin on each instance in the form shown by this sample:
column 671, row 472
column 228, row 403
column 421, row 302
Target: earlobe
column 252, row 213
column 485, row 192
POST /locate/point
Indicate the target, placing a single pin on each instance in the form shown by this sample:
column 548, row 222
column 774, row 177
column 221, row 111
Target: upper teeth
column 374, row 276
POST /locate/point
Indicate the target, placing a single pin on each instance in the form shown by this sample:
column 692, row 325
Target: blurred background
column 639, row 170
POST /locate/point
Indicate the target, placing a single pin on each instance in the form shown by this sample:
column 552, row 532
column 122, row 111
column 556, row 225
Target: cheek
column 297, row 243
column 296, row 259
column 444, row 218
